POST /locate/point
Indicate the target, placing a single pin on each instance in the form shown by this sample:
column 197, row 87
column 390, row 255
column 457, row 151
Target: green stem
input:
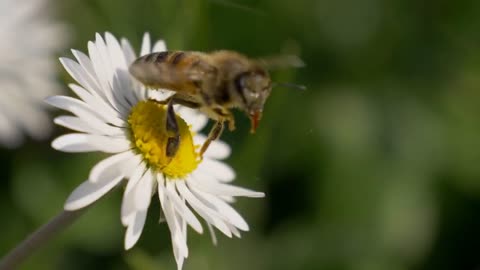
column 39, row 238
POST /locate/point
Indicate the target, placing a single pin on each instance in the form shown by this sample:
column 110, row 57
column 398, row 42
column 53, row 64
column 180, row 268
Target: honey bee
column 213, row 82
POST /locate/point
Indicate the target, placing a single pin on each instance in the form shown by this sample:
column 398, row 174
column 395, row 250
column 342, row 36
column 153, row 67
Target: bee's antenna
column 290, row 85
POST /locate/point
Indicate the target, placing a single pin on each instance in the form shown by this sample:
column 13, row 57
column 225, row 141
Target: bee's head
column 253, row 87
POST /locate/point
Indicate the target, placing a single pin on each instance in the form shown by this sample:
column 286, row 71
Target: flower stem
column 39, row 238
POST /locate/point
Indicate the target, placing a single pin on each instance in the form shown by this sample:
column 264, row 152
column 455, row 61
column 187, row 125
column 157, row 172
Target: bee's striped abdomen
column 165, row 70
column 176, row 58
column 172, row 57
column 154, row 57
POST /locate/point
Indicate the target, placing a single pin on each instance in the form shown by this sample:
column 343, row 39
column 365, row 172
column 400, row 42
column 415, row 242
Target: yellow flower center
column 149, row 135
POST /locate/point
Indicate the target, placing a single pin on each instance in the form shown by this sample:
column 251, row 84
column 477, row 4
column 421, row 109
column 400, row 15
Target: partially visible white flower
column 117, row 115
column 29, row 39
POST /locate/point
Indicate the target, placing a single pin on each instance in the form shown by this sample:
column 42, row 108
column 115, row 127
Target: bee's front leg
column 231, row 121
column 215, row 132
column 225, row 115
column 173, row 142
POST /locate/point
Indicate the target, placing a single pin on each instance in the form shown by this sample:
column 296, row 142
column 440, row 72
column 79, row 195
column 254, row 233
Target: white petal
column 104, row 73
column 78, row 124
column 178, row 242
column 161, row 95
column 181, row 235
column 146, row 43
column 182, row 208
column 217, row 188
column 116, row 53
column 180, row 248
column 123, row 92
column 234, row 230
column 143, row 191
column 123, row 84
column 109, row 144
column 212, row 234
column 182, row 253
column 135, row 230
column 128, row 208
column 128, row 203
column 88, row 192
column 77, row 107
column 140, row 91
column 216, row 150
column 208, row 214
column 79, row 142
column 87, row 66
column 111, row 167
column 99, row 68
column 75, row 123
column 106, row 59
column 84, row 111
column 79, row 74
column 228, row 199
column 179, row 260
column 128, row 51
column 217, row 169
column 107, row 113
column 159, row 46
column 193, row 117
column 224, row 209
column 135, row 177
column 73, row 143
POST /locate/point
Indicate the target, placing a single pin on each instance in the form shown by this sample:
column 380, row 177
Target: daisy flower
column 27, row 70
column 116, row 115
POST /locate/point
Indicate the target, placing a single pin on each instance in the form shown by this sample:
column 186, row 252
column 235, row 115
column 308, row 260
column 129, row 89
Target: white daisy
column 117, row 115
column 27, row 69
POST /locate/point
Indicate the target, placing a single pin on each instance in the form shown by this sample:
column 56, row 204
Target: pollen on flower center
column 149, row 136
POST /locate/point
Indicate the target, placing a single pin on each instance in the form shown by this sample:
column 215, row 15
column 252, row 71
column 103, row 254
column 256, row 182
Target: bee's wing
column 178, row 71
column 281, row 62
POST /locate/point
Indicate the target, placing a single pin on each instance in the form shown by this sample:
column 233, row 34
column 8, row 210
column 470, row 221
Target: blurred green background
column 375, row 166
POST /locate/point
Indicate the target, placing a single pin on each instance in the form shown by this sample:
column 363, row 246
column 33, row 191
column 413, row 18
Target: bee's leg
column 179, row 101
column 215, row 132
column 231, row 121
column 226, row 114
column 172, row 126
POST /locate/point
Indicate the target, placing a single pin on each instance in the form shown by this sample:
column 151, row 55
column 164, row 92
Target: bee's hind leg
column 173, row 142
column 215, row 132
